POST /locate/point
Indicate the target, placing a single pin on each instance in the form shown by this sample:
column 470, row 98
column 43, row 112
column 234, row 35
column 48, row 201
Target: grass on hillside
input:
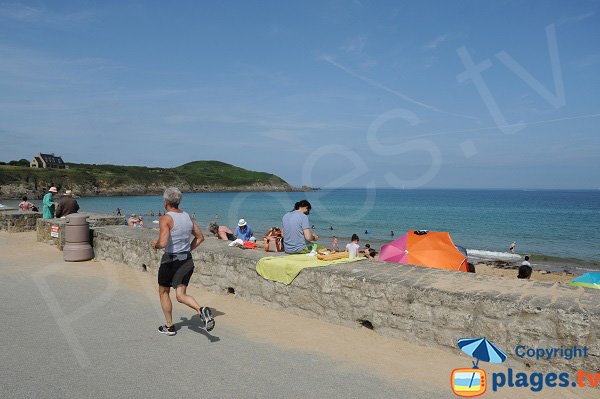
column 210, row 173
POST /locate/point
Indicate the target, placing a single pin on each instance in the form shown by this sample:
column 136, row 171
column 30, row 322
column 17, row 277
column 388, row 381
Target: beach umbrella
column 481, row 349
column 589, row 280
column 421, row 248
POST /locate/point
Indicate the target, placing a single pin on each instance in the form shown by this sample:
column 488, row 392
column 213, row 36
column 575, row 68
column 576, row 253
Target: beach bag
column 249, row 245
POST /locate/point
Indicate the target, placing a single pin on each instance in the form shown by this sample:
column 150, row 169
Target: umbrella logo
column 469, row 382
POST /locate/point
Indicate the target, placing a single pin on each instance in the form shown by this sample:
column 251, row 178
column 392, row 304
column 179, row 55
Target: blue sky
column 326, row 93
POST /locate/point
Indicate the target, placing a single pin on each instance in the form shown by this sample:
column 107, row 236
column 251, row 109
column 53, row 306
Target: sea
column 559, row 229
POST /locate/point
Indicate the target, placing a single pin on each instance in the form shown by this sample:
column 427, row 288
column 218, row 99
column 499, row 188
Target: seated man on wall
column 67, row 205
column 244, row 231
column 296, row 232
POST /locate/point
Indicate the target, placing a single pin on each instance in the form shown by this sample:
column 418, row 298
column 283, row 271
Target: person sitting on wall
column 352, row 247
column 135, row 220
column 221, row 232
column 244, row 231
column 296, row 232
column 67, row 205
column 274, row 240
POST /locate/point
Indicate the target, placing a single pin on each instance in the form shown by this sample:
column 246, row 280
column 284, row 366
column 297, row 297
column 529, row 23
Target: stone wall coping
column 422, row 304
column 210, row 244
column 19, row 212
column 91, row 217
column 466, row 285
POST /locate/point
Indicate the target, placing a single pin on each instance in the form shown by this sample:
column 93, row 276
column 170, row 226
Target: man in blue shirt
column 296, row 231
column 243, row 231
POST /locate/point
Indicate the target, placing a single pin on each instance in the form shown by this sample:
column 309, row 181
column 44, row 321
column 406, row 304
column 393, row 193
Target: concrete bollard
column 77, row 239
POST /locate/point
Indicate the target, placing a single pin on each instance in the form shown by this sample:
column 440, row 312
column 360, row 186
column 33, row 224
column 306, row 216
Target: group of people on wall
column 295, row 237
column 52, row 206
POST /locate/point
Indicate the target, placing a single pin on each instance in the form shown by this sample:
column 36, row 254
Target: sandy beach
column 493, row 269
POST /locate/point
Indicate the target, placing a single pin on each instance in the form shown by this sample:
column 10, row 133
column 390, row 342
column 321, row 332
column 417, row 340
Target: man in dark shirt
column 67, row 205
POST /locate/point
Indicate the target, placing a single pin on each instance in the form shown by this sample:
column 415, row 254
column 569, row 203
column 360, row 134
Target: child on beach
column 334, row 244
column 512, row 247
column 525, row 272
column 368, row 251
column 352, row 248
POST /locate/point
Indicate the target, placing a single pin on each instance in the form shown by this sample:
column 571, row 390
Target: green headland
column 105, row 180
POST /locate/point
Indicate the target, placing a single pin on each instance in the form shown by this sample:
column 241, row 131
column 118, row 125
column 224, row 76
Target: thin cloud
column 180, row 119
column 23, row 67
column 481, row 129
column 19, row 12
column 433, row 44
column 355, row 45
column 281, row 135
column 404, row 97
column 586, row 61
column 23, row 13
column 575, row 19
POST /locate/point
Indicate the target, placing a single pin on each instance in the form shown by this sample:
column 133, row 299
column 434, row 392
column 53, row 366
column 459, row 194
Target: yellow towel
column 284, row 269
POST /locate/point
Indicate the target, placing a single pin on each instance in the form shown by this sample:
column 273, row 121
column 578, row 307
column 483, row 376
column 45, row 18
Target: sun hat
column 52, row 189
column 242, row 223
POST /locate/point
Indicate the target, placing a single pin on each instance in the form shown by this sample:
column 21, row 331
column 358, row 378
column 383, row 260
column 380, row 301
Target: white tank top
column 179, row 237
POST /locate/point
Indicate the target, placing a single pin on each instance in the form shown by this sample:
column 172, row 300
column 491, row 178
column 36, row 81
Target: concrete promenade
column 89, row 330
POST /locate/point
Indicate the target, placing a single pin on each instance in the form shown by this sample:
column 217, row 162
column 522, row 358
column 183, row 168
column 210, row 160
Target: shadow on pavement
column 196, row 324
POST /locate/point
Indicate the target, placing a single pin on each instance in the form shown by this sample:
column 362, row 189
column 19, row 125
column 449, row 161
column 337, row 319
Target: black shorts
column 175, row 269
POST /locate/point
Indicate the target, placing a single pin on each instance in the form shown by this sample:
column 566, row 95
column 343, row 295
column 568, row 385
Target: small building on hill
column 47, row 161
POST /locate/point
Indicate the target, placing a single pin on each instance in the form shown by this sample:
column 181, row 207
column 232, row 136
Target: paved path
column 79, row 330
column 89, row 330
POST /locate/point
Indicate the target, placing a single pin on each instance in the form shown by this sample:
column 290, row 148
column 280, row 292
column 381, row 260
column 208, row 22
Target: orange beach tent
column 425, row 248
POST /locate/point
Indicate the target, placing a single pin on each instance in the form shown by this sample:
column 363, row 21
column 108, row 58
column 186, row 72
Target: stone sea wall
column 434, row 307
column 51, row 231
column 16, row 221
